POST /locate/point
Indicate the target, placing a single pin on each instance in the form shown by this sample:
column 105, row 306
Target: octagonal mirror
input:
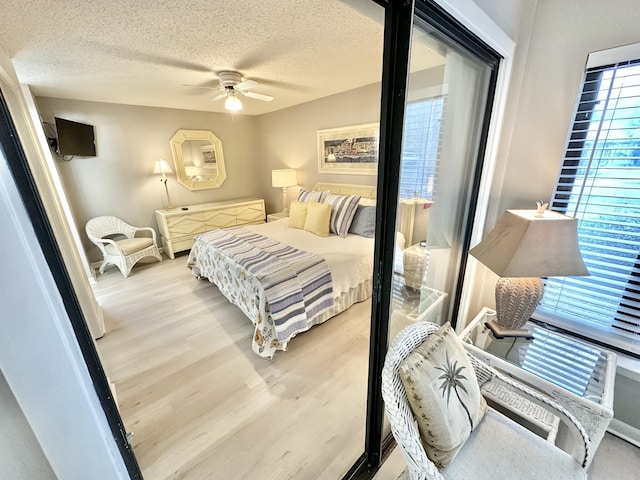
column 198, row 159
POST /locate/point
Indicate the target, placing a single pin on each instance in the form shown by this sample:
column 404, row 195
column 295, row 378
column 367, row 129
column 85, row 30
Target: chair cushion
column 501, row 448
column 297, row 214
column 318, row 216
column 129, row 245
column 443, row 393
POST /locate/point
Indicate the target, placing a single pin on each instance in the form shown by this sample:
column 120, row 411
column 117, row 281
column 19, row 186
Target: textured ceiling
column 143, row 52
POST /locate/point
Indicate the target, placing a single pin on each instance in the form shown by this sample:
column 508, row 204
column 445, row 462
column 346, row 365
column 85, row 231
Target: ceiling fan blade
column 246, row 85
column 218, row 97
column 201, row 86
column 258, row 96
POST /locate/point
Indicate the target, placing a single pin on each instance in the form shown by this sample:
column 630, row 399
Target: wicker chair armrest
column 484, row 372
column 153, row 232
column 101, row 242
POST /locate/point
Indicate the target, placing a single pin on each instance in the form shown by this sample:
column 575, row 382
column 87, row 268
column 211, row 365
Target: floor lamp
column 162, row 167
column 284, row 178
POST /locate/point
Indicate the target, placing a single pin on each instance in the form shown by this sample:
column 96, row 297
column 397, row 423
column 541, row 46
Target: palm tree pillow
column 443, row 393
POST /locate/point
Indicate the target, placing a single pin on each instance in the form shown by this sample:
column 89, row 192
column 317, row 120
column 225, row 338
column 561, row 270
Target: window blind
column 575, row 366
column 599, row 184
column 421, row 147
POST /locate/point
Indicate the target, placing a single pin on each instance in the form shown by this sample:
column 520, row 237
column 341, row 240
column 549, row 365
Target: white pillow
column 367, row 202
column 444, row 394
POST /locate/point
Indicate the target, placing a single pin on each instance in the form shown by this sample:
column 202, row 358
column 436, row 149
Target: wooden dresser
column 179, row 225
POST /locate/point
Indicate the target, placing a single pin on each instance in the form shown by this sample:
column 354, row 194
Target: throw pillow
column 364, row 222
column 343, row 208
column 444, row 394
column 297, row 214
column 318, row 216
column 311, row 196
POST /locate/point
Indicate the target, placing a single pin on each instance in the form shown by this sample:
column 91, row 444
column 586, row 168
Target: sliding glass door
column 434, row 124
column 445, row 109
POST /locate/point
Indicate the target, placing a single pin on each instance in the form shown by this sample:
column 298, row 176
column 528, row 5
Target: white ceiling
column 143, row 52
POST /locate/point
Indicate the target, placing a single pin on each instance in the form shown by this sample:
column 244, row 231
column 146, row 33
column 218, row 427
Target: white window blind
column 575, row 366
column 421, row 148
column 600, row 185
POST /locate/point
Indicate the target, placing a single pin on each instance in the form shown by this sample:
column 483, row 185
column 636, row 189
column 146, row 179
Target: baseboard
column 624, row 431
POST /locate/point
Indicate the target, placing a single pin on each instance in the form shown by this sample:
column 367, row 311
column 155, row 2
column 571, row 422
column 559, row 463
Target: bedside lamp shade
column 526, row 245
column 284, row 178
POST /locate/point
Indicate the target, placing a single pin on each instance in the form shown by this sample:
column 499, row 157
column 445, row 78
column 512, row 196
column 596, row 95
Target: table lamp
column 284, row 178
column 162, row 167
column 524, row 246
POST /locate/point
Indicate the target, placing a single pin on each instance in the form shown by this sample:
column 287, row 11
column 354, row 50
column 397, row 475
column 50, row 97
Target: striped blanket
column 297, row 284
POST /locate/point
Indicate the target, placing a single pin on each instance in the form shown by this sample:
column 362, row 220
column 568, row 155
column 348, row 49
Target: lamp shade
column 284, row 178
column 161, row 166
column 526, row 243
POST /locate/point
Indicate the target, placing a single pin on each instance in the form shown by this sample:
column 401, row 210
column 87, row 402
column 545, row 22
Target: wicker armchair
column 124, row 253
column 497, row 448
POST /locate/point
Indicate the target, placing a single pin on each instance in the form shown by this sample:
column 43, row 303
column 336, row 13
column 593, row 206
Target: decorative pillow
column 443, row 393
column 364, row 222
column 343, row 208
column 318, row 216
column 297, row 214
column 311, row 196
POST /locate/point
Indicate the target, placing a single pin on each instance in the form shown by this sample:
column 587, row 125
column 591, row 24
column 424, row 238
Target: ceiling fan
column 231, row 86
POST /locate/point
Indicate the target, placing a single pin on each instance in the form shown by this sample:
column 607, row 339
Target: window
column 421, row 147
column 599, row 184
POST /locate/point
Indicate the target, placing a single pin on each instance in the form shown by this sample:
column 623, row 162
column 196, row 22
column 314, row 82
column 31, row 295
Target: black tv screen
column 75, row 138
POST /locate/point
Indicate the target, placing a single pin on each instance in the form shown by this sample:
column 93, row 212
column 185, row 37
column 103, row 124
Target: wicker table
column 578, row 375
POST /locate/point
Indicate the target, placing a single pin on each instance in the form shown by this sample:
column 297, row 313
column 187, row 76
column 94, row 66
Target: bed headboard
column 366, row 191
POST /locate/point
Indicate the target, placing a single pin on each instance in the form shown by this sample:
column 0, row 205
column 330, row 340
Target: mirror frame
column 185, row 180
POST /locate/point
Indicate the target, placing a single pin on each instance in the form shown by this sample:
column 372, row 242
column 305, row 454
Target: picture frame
column 351, row 150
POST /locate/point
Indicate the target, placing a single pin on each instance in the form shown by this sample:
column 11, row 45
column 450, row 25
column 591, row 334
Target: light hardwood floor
column 202, row 405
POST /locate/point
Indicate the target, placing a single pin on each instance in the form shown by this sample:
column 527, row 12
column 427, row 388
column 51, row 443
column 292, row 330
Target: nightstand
column 272, row 217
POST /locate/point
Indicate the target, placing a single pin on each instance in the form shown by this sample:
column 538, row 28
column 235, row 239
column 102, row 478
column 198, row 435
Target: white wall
column 554, row 39
column 564, row 32
column 20, row 453
column 119, row 180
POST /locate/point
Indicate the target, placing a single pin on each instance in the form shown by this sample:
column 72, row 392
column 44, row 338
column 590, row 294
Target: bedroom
column 514, row 185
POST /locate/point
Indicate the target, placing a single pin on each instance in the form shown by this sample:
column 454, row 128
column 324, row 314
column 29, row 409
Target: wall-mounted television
column 75, row 138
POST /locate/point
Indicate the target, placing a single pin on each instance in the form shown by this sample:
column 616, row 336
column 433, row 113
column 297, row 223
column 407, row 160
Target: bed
column 309, row 278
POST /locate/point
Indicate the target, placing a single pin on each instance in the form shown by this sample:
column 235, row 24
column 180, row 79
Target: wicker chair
column 124, row 253
column 497, row 448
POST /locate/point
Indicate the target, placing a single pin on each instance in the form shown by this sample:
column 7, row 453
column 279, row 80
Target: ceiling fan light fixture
column 232, row 103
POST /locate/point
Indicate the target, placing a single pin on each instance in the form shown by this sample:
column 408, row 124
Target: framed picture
column 350, row 150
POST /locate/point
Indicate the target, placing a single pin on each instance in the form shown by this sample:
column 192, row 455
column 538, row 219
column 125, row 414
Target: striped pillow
column 311, row 196
column 343, row 208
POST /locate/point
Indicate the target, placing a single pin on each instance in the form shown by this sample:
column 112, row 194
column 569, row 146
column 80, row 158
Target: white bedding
column 349, row 259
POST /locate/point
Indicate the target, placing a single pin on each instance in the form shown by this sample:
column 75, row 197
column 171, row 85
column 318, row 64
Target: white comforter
column 349, row 259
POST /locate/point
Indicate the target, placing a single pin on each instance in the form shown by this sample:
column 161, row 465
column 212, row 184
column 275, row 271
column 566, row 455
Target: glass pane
column 445, row 107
